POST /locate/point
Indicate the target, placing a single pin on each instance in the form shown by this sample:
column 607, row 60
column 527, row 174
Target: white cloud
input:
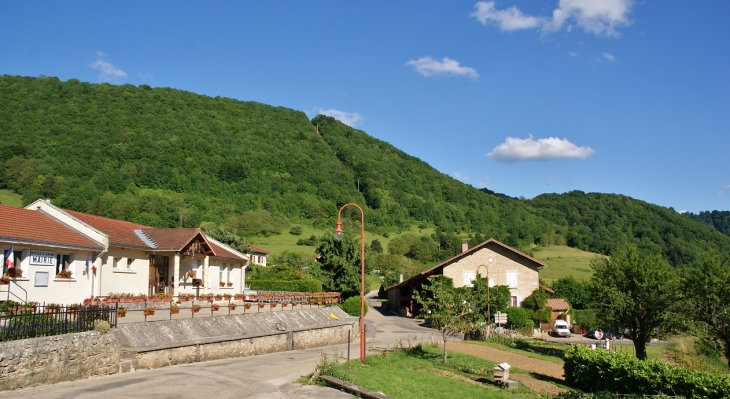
column 428, row 66
column 609, row 57
column 508, row 19
column 572, row 53
column 600, row 17
column 460, row 177
column 348, row 118
column 107, row 71
column 516, row 150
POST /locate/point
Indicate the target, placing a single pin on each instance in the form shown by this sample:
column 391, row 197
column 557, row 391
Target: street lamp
column 338, row 233
column 489, row 310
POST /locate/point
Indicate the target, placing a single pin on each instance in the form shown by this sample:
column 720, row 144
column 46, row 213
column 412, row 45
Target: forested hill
column 168, row 158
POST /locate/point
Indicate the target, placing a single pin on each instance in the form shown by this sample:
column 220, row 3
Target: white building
column 103, row 256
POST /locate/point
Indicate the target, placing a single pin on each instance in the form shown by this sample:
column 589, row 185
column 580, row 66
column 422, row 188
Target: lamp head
column 338, row 233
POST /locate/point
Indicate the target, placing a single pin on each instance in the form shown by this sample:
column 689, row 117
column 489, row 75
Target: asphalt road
column 264, row 376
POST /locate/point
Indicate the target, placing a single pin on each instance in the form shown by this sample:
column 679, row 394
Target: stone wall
column 49, row 360
column 157, row 344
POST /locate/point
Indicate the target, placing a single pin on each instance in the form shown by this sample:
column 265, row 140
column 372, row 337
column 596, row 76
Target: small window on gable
column 130, row 263
column 115, row 263
column 512, row 279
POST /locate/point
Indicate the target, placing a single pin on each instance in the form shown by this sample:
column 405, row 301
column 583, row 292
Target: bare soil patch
column 539, row 367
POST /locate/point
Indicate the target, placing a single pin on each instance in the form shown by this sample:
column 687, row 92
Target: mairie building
column 56, row 255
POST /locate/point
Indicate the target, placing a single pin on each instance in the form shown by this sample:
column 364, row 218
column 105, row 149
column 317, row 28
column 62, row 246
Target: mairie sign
column 43, row 258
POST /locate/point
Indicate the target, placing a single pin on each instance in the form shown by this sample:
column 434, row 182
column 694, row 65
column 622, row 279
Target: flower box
column 214, row 307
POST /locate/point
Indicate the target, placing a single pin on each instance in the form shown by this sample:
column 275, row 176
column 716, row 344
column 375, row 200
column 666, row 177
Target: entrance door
column 159, row 268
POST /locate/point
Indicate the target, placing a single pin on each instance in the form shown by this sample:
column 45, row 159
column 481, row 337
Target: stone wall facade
column 49, row 360
column 504, row 261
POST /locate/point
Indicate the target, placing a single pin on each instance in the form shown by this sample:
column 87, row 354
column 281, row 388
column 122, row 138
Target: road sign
column 599, row 334
column 500, row 318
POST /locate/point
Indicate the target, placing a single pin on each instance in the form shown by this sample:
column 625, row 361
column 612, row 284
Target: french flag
column 9, row 258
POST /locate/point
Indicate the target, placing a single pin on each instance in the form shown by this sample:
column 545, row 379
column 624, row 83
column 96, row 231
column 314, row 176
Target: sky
column 522, row 97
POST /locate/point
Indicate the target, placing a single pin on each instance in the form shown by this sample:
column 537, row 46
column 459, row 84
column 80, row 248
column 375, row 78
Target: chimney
column 464, row 247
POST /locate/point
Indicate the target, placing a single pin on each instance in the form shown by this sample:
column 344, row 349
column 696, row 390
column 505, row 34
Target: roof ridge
column 145, row 238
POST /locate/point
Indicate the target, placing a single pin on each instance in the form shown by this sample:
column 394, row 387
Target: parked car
column 596, row 333
column 561, row 329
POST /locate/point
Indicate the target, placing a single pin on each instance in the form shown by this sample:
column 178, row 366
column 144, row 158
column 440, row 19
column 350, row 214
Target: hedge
column 286, row 285
column 351, row 306
column 623, row 373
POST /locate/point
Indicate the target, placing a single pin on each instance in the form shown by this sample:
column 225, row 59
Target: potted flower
column 218, row 297
column 30, row 305
column 230, row 284
column 195, row 308
column 15, row 272
column 174, row 309
column 112, row 298
column 239, row 297
column 184, row 297
column 232, row 306
column 190, row 274
column 140, row 298
column 214, row 307
column 206, row 297
column 261, row 305
column 64, row 274
column 73, row 308
column 247, row 305
column 5, row 279
column 283, row 304
column 221, row 284
column 52, row 307
column 272, row 304
column 149, row 310
column 227, row 297
column 121, row 311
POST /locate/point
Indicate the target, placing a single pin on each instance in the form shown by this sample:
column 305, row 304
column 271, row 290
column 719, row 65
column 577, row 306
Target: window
column 115, row 263
column 513, row 301
column 130, row 261
column 512, row 279
column 220, row 274
column 63, row 262
column 468, row 278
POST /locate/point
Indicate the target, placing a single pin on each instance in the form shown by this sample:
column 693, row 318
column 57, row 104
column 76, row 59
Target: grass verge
column 418, row 372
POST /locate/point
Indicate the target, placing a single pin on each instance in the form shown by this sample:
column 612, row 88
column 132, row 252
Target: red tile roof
column 558, row 304
column 121, row 233
column 221, row 252
column 34, row 227
column 253, row 249
column 172, row 239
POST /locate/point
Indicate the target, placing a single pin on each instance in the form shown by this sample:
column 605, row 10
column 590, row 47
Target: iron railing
column 21, row 321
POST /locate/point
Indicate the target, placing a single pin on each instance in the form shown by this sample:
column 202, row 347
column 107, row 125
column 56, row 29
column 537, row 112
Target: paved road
column 265, row 376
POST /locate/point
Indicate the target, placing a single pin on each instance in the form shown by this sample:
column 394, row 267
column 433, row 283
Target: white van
column 561, row 329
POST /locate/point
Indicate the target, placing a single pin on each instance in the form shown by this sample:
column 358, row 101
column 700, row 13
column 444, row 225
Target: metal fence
column 24, row 321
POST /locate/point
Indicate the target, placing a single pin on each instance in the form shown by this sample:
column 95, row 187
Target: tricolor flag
column 93, row 266
column 9, row 258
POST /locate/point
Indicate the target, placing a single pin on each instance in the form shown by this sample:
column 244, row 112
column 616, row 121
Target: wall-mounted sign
column 43, row 258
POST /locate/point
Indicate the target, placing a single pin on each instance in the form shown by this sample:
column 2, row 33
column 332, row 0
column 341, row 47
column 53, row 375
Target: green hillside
column 170, row 158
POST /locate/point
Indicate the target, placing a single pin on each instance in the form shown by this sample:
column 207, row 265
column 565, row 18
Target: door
column 159, row 268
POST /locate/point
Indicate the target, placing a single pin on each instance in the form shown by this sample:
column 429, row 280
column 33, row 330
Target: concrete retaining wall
column 157, row 344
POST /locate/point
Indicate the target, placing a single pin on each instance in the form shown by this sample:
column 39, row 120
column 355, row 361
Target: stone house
column 502, row 264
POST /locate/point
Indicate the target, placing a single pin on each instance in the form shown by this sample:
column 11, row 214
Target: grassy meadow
column 564, row 261
column 8, row 197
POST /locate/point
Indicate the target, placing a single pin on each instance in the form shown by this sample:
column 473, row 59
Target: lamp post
column 489, row 310
column 338, row 233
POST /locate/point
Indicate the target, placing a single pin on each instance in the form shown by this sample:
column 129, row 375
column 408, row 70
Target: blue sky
column 521, row 97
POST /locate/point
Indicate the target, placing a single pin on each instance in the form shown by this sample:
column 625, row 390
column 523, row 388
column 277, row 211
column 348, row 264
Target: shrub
column 295, row 230
column 351, row 306
column 102, row 326
column 517, row 317
column 623, row 373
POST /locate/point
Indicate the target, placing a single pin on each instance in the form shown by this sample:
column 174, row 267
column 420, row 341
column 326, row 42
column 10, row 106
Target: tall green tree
column 576, row 292
column 536, row 306
column 498, row 299
column 340, row 264
column 446, row 308
column 636, row 292
column 708, row 290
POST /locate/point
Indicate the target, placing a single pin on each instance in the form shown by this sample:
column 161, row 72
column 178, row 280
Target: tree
column 574, row 291
column 376, row 246
column 637, row 293
column 706, row 286
column 536, row 306
column 498, row 298
column 445, row 307
column 340, row 264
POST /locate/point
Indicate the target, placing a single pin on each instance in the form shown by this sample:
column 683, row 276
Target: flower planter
column 273, row 305
column 195, row 310
column 120, row 314
column 261, row 305
column 148, row 313
column 52, row 310
column 174, row 311
column 214, row 308
column 247, row 306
